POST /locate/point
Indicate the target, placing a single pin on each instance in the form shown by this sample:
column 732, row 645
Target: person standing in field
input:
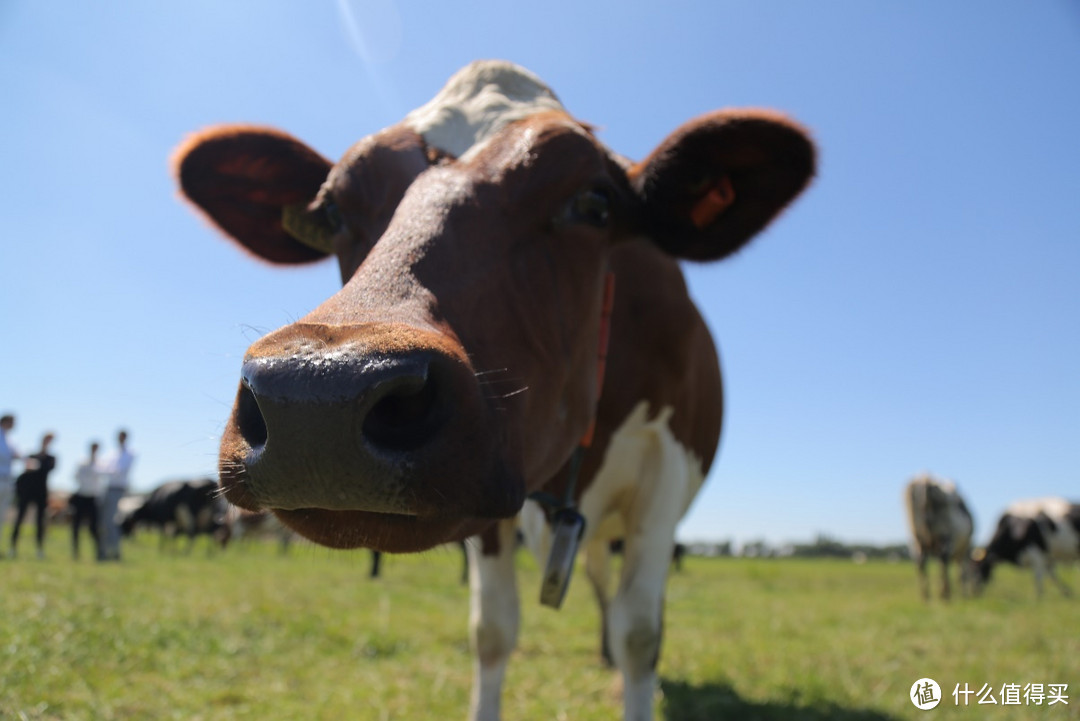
column 8, row 455
column 84, row 502
column 115, row 472
column 32, row 486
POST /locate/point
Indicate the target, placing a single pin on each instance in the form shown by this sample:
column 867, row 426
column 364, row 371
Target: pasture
column 250, row 634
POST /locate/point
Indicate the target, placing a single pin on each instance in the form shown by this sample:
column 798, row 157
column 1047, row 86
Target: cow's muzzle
column 379, row 418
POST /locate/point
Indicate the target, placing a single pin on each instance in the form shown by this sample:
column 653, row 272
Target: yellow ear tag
column 302, row 225
column 711, row 205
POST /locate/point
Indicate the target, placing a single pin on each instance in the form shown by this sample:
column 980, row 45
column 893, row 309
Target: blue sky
column 916, row 310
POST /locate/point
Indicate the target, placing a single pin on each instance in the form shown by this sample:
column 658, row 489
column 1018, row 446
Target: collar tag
column 567, row 528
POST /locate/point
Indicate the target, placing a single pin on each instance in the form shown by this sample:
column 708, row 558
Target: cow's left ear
column 719, row 179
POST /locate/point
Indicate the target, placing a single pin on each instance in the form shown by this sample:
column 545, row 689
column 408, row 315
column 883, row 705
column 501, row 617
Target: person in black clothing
column 84, row 501
column 32, row 486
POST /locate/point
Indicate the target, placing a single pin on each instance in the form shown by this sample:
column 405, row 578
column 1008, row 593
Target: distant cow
column 490, row 246
column 677, row 553
column 245, row 525
column 376, row 563
column 941, row 527
column 1033, row 533
column 182, row 507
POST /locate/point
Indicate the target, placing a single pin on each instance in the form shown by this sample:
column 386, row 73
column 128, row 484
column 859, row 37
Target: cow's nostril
column 249, row 419
column 406, row 416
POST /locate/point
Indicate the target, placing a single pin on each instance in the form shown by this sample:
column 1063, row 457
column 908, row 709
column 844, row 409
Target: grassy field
column 249, row 634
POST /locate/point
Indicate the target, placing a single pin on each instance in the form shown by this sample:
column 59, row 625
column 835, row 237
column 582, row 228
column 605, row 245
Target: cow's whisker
column 490, row 372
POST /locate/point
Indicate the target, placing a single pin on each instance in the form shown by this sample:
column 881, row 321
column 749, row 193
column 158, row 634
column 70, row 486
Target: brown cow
column 455, row 373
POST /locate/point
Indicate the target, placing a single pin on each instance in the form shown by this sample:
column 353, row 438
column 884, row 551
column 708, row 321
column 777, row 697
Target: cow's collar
column 567, row 524
column 551, row 503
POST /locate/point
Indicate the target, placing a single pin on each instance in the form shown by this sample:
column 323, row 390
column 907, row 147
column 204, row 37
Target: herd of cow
column 1035, row 533
column 513, row 350
column 190, row 508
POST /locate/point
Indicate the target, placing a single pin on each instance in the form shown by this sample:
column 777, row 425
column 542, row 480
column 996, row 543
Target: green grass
column 249, row 634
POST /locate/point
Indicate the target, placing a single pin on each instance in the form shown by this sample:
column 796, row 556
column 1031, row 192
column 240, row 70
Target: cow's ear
column 719, row 179
column 247, row 180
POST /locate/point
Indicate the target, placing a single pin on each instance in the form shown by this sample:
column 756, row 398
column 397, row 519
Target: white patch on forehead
column 477, row 102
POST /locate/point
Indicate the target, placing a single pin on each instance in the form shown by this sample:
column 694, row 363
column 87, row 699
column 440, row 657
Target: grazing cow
column 1033, row 533
column 182, row 507
column 455, row 374
column 941, row 528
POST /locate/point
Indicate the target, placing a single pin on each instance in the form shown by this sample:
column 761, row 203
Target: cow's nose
column 383, row 418
column 393, row 404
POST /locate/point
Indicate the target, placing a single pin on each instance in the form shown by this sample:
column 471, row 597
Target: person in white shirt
column 84, row 502
column 115, row 472
column 8, row 454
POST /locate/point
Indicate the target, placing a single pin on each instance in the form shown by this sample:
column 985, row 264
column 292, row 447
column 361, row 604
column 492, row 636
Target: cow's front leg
column 1037, row 561
column 967, row 576
column 598, row 570
column 921, row 559
column 946, row 588
column 1065, row 590
column 494, row 614
column 635, row 622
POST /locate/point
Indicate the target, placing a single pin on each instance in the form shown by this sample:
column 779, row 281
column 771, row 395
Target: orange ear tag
column 718, row 199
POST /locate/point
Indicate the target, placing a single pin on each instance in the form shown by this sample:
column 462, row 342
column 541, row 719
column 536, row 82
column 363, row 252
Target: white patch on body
column 632, row 488
column 477, row 102
column 647, row 479
column 1063, row 541
column 645, row 485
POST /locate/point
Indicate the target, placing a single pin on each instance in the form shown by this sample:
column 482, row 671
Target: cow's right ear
column 252, row 182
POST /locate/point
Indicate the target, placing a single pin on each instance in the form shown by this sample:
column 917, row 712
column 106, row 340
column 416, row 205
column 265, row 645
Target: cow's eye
column 592, row 206
column 332, row 214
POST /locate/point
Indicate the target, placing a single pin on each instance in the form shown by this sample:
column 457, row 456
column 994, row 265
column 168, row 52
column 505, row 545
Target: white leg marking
column 1037, row 561
column 537, row 532
column 648, row 480
column 494, row 617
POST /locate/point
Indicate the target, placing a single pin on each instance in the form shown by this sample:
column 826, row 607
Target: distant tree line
column 823, row 546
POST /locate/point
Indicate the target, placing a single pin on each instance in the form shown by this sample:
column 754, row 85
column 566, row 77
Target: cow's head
column 455, row 370
column 980, row 569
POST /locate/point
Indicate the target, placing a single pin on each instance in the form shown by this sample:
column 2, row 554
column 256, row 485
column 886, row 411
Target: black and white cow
column 1033, row 533
column 182, row 507
column 941, row 527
